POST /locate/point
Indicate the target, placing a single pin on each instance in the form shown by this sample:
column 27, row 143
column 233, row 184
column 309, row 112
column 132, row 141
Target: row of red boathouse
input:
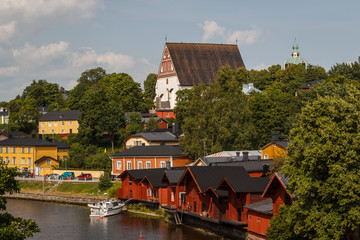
column 229, row 200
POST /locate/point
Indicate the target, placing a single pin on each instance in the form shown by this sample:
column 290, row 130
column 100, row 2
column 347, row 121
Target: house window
column 6, row 160
column 64, row 150
column 148, row 165
column 29, row 150
column 42, row 124
column 23, row 161
column 55, row 124
column 172, row 196
column 194, row 206
column 14, row 160
column 149, row 193
column 70, row 123
column 14, row 150
column 137, row 143
column 49, row 124
column 42, row 132
column 6, row 149
column 118, row 165
column 52, row 131
column 156, row 193
column 48, row 162
column 162, row 164
column 140, row 165
column 266, row 156
column 22, row 149
column 250, row 218
column 29, row 161
column 167, row 114
column 128, row 165
column 62, row 131
column 64, row 158
column 258, row 220
column 62, row 123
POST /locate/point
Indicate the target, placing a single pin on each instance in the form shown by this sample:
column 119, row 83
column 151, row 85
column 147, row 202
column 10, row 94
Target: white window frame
column 128, row 165
column 148, row 164
column 140, row 165
column 42, row 124
column 42, row 131
column 162, row 164
column 49, row 124
column 149, row 192
column 62, row 131
column 118, row 165
column 22, row 161
column 29, row 161
column 52, row 131
column 70, row 123
column 6, row 149
column 266, row 156
column 62, row 123
column 29, row 150
column 48, row 162
column 13, row 149
column 7, row 160
column 55, row 124
column 22, row 149
column 14, row 160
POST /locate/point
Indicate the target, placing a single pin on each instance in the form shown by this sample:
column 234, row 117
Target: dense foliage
column 323, row 169
column 10, row 226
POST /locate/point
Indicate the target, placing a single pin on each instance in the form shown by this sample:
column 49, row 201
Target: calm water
column 61, row 221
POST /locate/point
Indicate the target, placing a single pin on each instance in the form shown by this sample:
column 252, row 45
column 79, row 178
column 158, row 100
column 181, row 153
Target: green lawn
column 35, row 186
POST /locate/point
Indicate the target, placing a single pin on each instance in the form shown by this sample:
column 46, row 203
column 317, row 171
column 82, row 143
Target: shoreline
column 54, row 198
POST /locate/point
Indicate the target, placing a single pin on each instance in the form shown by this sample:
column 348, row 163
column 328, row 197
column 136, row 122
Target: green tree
column 104, row 182
column 347, row 70
column 149, row 86
column 24, row 115
column 152, row 124
column 323, row 170
column 86, row 80
column 134, row 124
column 10, row 226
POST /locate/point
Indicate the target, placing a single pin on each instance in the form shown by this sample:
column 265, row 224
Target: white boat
column 105, row 208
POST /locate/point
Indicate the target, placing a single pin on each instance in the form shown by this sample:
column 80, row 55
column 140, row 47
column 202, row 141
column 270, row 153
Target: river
column 63, row 221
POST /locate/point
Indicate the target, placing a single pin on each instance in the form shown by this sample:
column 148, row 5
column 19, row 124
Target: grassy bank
column 148, row 212
column 72, row 189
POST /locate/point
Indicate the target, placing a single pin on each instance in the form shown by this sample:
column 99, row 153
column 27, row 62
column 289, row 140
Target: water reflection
column 61, row 221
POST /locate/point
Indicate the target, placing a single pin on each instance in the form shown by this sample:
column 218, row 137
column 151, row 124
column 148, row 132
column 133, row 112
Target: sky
column 57, row 40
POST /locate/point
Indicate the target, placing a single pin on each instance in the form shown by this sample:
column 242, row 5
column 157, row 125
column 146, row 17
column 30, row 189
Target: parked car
column 65, row 175
column 85, row 176
column 25, row 174
column 53, row 176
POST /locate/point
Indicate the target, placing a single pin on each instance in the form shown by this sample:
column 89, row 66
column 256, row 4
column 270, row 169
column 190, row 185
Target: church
column 295, row 57
column 184, row 65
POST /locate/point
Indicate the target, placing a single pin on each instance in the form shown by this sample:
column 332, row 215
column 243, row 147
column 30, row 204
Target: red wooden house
column 173, row 191
column 242, row 191
column 260, row 213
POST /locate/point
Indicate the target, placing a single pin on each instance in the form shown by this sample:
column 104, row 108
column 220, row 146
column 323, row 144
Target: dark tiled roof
column 61, row 144
column 283, row 143
column 283, row 179
column 61, row 115
column 26, row 142
column 197, row 63
column 157, row 136
column 265, row 206
column 251, row 184
column 44, row 158
column 250, row 166
column 310, row 84
column 14, row 134
column 211, row 176
column 151, row 151
column 155, row 177
column 174, row 175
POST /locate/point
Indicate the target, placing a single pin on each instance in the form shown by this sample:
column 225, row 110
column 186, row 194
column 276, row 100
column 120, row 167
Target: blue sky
column 57, row 40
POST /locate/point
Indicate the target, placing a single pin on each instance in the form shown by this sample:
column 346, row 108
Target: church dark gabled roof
column 198, row 63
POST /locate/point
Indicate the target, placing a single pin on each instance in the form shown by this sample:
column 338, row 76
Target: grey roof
column 213, row 160
column 250, row 166
column 40, row 160
column 14, row 134
column 283, row 143
column 139, row 174
column 145, row 120
column 26, row 142
column 157, row 136
column 235, row 153
column 61, row 115
column 310, row 84
column 4, row 113
column 283, row 179
column 151, row 151
column 251, row 184
column 174, row 175
column 61, row 144
column 211, row 176
column 155, row 177
column 265, row 206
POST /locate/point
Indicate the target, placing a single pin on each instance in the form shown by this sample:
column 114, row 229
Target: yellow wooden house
column 276, row 149
column 60, row 122
column 151, row 139
column 36, row 155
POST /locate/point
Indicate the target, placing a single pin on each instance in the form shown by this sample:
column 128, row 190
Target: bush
column 104, row 182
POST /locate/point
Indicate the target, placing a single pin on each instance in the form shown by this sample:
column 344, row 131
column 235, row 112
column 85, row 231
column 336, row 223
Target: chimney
column 168, row 165
column 275, row 136
column 245, row 156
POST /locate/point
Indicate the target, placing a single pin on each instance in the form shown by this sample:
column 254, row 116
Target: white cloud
column 213, row 31
column 261, row 66
column 21, row 18
column 56, row 62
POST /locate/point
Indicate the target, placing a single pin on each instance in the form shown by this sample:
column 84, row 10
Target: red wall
column 258, row 223
column 165, row 114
